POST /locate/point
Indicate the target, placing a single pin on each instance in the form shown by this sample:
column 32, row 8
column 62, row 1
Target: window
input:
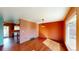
column 71, row 33
column 6, row 31
column 16, row 28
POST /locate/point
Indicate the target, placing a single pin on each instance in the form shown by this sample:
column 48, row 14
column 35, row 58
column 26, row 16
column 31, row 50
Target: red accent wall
column 52, row 30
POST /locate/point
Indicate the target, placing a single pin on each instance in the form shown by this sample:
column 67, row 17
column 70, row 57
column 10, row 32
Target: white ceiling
column 35, row 14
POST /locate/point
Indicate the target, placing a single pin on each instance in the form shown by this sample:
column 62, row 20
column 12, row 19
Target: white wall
column 28, row 30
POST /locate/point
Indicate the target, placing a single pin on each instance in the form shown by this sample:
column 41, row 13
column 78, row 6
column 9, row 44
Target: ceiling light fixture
column 42, row 26
column 42, row 20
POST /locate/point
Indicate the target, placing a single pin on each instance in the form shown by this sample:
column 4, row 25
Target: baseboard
column 1, row 45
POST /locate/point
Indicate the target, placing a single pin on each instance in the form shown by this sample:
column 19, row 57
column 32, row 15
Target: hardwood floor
column 38, row 44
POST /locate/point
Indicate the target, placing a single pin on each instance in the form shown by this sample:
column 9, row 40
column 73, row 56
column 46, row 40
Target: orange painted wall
column 77, row 30
column 54, row 30
column 28, row 30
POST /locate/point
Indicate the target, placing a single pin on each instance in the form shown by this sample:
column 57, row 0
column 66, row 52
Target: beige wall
column 28, row 30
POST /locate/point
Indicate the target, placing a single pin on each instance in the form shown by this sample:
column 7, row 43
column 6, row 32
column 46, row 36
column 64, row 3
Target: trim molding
column 1, row 45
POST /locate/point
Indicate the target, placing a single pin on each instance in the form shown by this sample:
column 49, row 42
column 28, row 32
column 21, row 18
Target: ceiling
column 34, row 14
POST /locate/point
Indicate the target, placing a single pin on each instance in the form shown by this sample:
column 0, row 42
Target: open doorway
column 11, row 35
column 17, row 33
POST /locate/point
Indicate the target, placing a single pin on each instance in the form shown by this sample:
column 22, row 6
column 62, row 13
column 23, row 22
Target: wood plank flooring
column 38, row 44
